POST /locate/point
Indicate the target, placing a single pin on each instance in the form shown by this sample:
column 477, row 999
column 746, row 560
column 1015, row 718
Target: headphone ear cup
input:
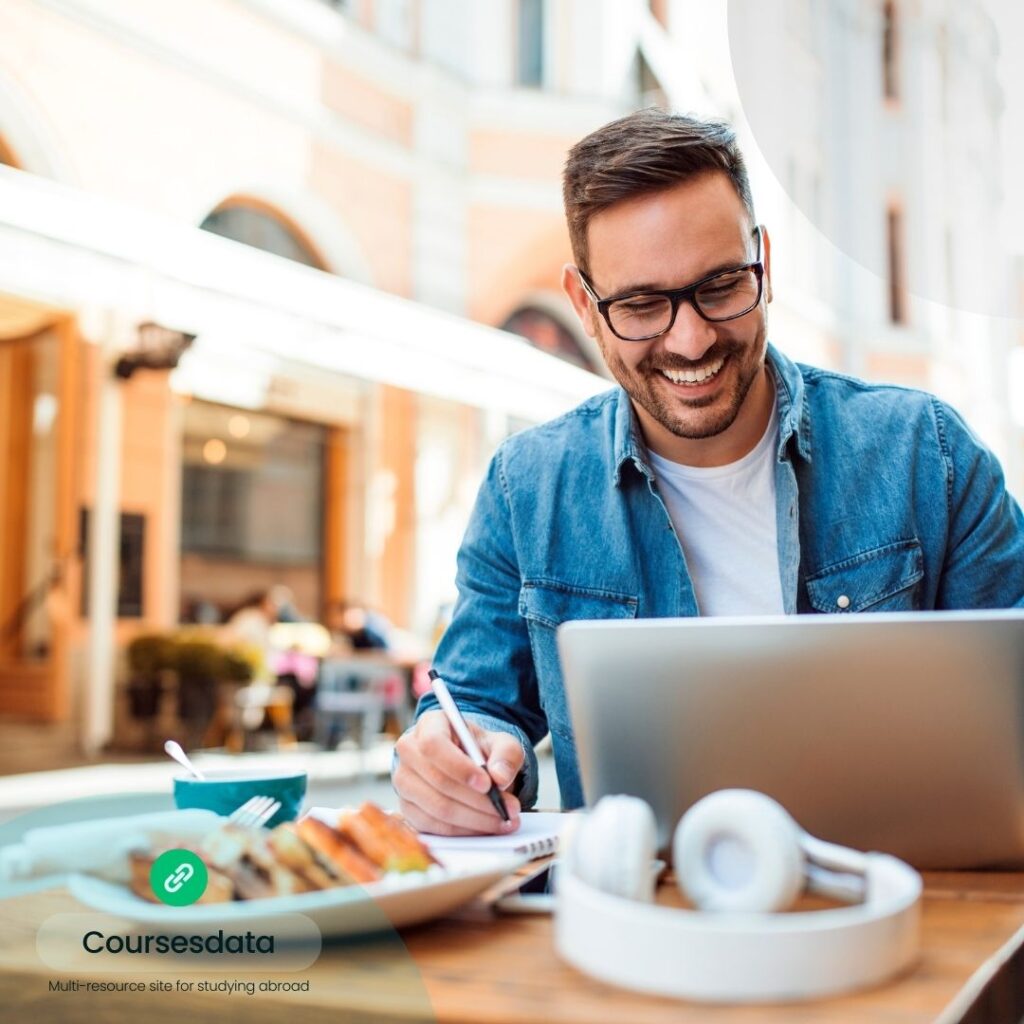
column 613, row 848
column 738, row 850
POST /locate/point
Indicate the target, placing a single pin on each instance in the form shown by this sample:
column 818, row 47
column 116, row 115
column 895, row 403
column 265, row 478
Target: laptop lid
column 899, row 732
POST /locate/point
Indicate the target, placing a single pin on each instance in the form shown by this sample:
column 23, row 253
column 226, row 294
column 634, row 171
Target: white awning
column 250, row 309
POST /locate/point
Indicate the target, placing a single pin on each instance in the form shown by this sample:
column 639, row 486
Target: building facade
column 338, row 203
column 328, row 425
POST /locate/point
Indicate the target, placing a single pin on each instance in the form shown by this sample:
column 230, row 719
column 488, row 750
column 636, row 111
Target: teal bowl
column 226, row 791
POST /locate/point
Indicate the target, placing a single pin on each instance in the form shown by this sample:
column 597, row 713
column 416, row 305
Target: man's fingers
column 513, row 807
column 432, row 742
column 505, row 756
column 441, row 807
column 434, row 779
column 442, row 790
column 423, row 822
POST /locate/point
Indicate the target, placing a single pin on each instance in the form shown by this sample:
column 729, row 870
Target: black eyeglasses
column 641, row 316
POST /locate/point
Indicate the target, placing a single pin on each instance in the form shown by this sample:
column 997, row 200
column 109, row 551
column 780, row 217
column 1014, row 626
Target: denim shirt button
column 843, row 601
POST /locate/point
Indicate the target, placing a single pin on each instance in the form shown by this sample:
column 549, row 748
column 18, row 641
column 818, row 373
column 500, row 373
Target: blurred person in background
column 251, row 620
column 199, row 611
column 354, row 625
column 720, row 478
column 283, row 599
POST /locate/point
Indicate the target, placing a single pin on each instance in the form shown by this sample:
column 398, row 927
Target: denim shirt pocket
column 883, row 579
column 545, row 605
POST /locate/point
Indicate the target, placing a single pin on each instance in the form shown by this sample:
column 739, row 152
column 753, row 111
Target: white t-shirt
column 724, row 517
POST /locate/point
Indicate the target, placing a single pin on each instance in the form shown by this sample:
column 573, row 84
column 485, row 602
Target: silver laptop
column 902, row 733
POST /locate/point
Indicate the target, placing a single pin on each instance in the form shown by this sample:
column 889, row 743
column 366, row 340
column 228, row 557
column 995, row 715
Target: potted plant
column 199, row 663
column 243, row 663
column 149, row 655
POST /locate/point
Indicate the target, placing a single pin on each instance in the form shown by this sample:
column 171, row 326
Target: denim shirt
column 885, row 501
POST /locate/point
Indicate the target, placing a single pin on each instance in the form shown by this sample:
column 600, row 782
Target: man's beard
column 677, row 414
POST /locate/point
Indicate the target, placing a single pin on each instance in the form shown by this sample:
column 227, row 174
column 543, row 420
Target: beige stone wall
column 367, row 104
column 376, row 206
column 512, row 253
column 175, row 108
column 518, row 154
column 910, row 369
column 211, row 139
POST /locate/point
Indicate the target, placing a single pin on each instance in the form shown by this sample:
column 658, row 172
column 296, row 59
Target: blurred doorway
column 39, row 386
column 252, row 502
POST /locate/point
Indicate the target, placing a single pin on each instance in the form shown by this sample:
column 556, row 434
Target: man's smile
column 698, row 375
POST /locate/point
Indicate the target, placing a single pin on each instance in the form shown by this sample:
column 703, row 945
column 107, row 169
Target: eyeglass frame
column 677, row 295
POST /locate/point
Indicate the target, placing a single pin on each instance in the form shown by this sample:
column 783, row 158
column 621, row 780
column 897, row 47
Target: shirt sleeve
column 484, row 655
column 984, row 565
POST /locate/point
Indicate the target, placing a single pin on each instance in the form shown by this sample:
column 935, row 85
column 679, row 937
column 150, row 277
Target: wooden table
column 477, row 967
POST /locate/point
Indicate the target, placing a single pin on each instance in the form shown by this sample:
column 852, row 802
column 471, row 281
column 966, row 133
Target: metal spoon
column 174, row 749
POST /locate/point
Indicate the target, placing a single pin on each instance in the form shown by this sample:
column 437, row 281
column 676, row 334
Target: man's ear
column 766, row 242
column 573, row 287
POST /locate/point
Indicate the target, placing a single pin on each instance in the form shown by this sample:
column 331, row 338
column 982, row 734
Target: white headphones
column 737, row 853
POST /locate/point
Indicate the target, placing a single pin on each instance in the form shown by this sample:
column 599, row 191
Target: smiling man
column 720, row 478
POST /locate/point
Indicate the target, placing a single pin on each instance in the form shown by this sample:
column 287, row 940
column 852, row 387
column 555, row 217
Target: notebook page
column 537, row 835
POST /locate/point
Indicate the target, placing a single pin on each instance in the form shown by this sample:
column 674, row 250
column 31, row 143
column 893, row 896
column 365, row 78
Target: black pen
column 469, row 745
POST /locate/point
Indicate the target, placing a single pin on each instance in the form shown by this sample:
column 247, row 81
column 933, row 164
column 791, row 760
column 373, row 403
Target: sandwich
column 297, row 857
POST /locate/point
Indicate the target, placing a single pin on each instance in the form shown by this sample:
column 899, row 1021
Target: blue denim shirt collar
column 628, row 444
column 794, row 415
column 627, row 441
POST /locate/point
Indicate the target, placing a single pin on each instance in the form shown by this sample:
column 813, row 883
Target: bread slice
column 294, row 852
column 385, row 839
column 339, row 853
column 281, row 878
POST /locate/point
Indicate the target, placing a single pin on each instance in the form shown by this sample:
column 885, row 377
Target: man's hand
column 441, row 791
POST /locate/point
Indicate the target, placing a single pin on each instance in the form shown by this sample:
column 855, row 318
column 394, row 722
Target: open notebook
column 537, row 836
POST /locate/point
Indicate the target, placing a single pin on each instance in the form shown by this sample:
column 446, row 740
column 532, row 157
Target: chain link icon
column 178, row 877
column 174, row 882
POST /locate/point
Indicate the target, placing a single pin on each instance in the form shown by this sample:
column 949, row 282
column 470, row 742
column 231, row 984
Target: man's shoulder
column 872, row 413
column 846, row 396
column 843, row 385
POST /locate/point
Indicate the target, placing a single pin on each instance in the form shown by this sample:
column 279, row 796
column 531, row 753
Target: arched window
column 261, row 226
column 7, row 154
column 543, row 331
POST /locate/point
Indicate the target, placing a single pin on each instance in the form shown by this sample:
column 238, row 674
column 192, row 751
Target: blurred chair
column 360, row 689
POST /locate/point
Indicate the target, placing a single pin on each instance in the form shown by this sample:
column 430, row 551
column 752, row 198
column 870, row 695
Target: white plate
column 393, row 902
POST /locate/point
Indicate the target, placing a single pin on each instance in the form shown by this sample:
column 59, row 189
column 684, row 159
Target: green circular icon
column 178, row 877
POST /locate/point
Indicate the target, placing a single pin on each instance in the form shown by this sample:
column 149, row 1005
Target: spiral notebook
column 536, row 836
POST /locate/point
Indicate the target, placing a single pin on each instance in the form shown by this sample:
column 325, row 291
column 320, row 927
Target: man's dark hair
column 645, row 152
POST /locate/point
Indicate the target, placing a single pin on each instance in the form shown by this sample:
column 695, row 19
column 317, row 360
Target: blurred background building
column 335, row 230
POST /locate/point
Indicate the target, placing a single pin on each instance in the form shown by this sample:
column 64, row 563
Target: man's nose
column 691, row 335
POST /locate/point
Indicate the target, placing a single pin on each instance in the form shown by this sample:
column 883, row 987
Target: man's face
column 666, row 240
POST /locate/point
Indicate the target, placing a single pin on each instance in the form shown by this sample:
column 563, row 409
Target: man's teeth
column 698, row 376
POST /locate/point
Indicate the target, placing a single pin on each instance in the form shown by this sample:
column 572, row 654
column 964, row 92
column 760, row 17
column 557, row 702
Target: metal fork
column 256, row 811
column 223, row 847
